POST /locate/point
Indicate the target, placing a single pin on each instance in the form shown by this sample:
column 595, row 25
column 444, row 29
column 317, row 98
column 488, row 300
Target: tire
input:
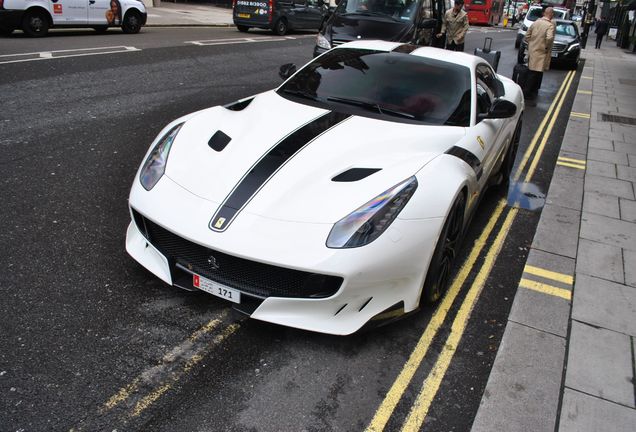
column 573, row 65
column 448, row 244
column 35, row 23
column 131, row 23
column 521, row 55
column 517, row 43
column 242, row 28
column 509, row 160
column 101, row 29
column 280, row 27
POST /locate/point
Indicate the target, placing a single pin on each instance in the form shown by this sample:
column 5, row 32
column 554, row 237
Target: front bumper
column 319, row 50
column 373, row 280
column 10, row 19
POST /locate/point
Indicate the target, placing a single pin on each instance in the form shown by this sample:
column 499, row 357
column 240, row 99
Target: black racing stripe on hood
column 260, row 173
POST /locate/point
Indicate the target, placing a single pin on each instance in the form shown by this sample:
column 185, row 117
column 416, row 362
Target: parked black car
column 279, row 16
column 566, row 49
column 413, row 21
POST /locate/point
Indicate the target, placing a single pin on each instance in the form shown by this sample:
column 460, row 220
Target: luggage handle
column 488, row 41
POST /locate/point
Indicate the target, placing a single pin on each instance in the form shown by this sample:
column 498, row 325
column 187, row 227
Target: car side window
column 484, row 100
column 299, row 2
column 313, row 3
column 488, row 77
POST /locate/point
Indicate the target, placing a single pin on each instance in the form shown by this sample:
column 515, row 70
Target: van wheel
column 35, row 23
column 101, row 29
column 280, row 28
column 242, row 28
column 131, row 23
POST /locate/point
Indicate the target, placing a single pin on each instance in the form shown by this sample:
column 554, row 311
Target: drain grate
column 627, row 81
column 617, row 119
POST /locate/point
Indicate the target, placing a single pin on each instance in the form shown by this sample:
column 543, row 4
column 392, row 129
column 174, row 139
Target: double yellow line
column 431, row 384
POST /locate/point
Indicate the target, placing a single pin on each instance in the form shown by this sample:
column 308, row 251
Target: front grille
column 250, row 277
column 558, row 47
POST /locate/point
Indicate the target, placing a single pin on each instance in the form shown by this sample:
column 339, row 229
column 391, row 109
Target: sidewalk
column 566, row 361
column 188, row 15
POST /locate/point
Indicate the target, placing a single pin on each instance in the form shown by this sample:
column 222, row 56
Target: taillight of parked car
column 271, row 10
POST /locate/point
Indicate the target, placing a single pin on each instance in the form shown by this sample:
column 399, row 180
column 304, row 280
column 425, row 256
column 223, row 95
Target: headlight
column 155, row 165
column 574, row 45
column 322, row 42
column 369, row 221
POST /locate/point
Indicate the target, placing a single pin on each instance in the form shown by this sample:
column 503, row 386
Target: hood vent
column 239, row 105
column 355, row 174
column 218, row 141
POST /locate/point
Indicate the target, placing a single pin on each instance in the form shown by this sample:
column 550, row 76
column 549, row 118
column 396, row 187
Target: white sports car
column 339, row 198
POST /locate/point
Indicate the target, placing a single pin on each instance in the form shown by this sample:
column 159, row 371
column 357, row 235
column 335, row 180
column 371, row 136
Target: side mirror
column 428, row 23
column 287, row 70
column 501, row 108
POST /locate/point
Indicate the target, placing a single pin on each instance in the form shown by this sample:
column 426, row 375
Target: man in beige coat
column 455, row 25
column 540, row 37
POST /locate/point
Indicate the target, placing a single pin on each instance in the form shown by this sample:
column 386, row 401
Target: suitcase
column 520, row 74
column 488, row 54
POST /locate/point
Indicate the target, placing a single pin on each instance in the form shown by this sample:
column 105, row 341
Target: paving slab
column 629, row 262
column 605, row 304
column 628, row 210
column 558, row 231
column 603, row 169
column 584, row 413
column 607, row 156
column 626, row 173
column 602, row 144
column 601, row 204
column 591, row 350
column 624, row 147
column 541, row 311
column 600, row 260
column 632, row 160
column 609, row 186
column 574, row 143
column 607, row 230
column 566, row 191
column 522, row 393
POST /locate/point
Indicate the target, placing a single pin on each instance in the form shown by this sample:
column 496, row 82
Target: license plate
column 216, row 289
column 244, row 15
column 555, row 54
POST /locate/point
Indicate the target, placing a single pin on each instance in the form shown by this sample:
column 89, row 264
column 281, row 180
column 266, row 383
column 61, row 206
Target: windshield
column 387, row 85
column 566, row 29
column 396, row 10
column 534, row 14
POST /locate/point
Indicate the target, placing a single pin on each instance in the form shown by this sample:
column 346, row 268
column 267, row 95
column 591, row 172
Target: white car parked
column 534, row 13
column 35, row 17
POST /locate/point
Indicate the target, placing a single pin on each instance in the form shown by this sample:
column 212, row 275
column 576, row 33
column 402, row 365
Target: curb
column 524, row 388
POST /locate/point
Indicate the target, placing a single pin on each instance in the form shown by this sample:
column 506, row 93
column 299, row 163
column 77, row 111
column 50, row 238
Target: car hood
column 301, row 189
column 354, row 27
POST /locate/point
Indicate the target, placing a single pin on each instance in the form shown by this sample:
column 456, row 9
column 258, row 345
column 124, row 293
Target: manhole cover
column 627, row 81
column 617, row 119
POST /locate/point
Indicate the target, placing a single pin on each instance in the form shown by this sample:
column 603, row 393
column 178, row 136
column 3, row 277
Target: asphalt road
column 91, row 341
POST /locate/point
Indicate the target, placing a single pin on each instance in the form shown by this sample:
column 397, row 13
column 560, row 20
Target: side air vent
column 355, row 174
column 239, row 105
column 218, row 141
column 467, row 157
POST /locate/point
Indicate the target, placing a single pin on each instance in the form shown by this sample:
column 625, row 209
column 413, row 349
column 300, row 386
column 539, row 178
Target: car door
column 315, row 13
column 298, row 14
column 69, row 12
column 104, row 12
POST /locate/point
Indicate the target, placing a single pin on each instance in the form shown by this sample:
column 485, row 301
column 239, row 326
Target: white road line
column 48, row 55
column 243, row 40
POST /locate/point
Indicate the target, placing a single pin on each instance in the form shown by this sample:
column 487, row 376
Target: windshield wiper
column 370, row 106
column 300, row 93
column 372, row 13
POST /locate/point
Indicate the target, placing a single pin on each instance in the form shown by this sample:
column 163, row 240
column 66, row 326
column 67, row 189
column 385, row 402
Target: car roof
column 455, row 57
column 560, row 21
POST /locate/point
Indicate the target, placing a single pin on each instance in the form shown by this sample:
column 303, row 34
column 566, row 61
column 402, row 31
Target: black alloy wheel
column 509, row 160
column 446, row 251
column 242, row 28
column 131, row 23
column 280, row 28
column 35, row 24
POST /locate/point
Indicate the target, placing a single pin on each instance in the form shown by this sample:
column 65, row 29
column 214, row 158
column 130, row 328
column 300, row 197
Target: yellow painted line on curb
column 585, row 92
column 393, row 396
column 568, row 159
column 431, row 385
column 545, row 289
column 548, row 274
column 580, row 115
column 548, row 132
column 571, row 165
column 587, row 77
column 537, row 135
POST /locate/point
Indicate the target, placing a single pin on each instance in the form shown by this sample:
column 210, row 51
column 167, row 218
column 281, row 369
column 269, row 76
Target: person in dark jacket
column 601, row 30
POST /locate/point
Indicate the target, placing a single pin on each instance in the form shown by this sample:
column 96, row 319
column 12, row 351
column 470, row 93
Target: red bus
column 485, row 12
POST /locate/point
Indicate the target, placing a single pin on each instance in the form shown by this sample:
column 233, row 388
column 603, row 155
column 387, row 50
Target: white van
column 35, row 17
column 534, row 13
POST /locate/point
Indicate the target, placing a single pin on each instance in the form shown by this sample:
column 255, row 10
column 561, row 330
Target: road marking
column 580, row 115
column 585, row 92
column 79, row 52
column 548, row 131
column 537, row 135
column 571, row 163
column 546, row 289
column 431, row 384
column 393, row 396
column 548, row 274
column 243, row 40
column 587, row 77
